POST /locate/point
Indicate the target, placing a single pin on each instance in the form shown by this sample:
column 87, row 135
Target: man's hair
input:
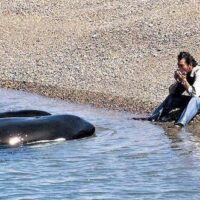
column 188, row 58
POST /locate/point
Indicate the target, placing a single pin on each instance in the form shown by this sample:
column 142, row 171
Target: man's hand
column 179, row 76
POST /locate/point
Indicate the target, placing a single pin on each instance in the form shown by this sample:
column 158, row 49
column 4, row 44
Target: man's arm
column 176, row 88
column 193, row 90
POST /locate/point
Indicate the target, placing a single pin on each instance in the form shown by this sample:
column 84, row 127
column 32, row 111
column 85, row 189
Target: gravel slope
column 114, row 53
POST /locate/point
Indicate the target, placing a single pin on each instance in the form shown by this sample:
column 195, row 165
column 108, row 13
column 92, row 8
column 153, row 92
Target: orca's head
column 85, row 130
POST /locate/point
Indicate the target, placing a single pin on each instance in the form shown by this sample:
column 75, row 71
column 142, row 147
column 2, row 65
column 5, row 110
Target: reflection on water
column 126, row 160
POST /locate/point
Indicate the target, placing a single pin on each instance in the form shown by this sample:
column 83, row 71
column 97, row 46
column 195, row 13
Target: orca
column 23, row 127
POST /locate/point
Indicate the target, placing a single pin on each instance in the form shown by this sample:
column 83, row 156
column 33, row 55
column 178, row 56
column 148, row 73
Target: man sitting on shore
column 187, row 78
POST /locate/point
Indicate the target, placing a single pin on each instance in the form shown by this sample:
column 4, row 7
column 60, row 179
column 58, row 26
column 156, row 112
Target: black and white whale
column 26, row 126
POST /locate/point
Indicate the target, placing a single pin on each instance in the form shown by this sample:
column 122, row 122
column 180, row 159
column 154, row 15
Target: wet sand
column 115, row 54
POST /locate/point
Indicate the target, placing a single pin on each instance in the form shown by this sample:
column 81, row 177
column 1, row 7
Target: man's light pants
column 189, row 106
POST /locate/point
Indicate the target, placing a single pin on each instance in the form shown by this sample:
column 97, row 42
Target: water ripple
column 126, row 159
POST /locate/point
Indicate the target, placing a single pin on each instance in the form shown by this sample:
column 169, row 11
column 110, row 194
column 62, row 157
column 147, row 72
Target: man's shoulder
column 195, row 71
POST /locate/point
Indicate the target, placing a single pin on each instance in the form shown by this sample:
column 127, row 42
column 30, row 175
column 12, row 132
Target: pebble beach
column 115, row 54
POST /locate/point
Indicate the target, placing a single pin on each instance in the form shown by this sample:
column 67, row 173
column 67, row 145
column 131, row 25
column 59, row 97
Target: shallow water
column 126, row 159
